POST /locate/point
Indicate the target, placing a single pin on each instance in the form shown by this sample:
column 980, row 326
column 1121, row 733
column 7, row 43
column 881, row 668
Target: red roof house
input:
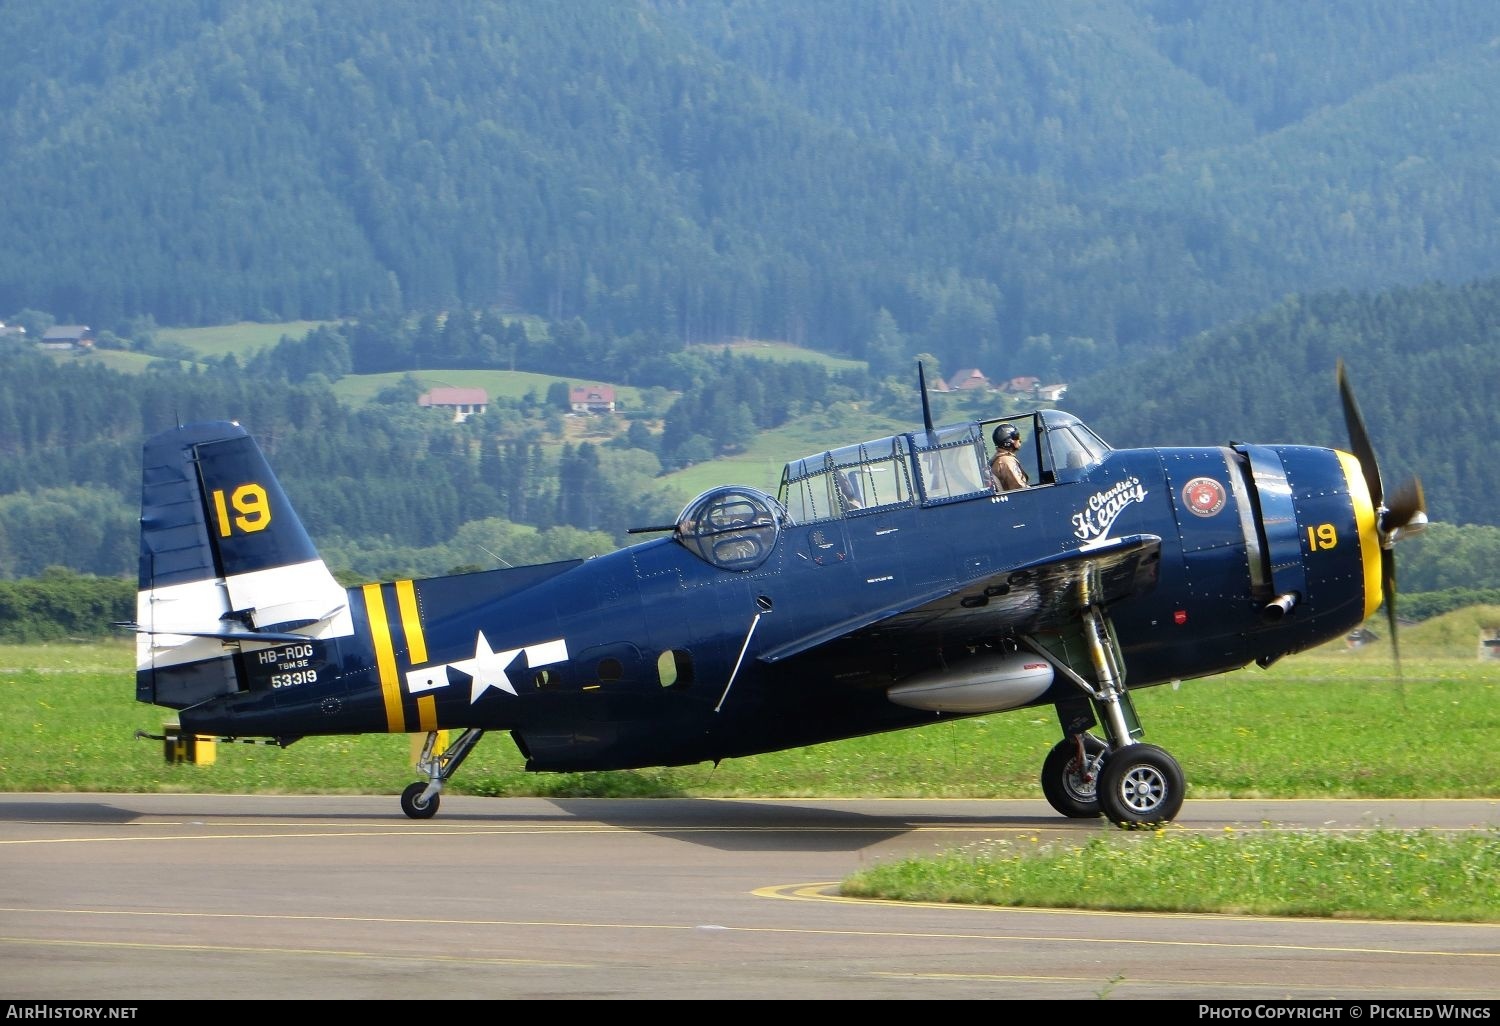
column 464, row 402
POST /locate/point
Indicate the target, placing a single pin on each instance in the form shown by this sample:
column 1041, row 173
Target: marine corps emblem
column 1204, row 496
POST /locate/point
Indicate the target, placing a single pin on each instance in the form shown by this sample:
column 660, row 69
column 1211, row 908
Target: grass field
column 241, row 339
column 1332, row 723
column 357, row 389
column 1375, row 874
column 782, row 351
column 761, row 463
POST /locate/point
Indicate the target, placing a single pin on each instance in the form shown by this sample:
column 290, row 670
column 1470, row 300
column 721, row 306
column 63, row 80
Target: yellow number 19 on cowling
column 1322, row 536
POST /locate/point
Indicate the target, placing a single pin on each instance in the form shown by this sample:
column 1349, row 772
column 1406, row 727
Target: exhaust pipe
column 1278, row 607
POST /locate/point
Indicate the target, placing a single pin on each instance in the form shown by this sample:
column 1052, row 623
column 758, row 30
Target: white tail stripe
column 198, row 607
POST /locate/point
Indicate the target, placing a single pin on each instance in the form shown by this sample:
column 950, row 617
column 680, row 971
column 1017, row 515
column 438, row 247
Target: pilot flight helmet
column 1004, row 435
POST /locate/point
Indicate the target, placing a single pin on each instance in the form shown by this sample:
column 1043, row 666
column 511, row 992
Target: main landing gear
column 1084, row 777
column 421, row 800
column 1137, row 785
column 1070, row 776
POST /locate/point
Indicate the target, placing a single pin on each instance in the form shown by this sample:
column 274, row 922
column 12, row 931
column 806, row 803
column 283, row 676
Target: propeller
column 1405, row 514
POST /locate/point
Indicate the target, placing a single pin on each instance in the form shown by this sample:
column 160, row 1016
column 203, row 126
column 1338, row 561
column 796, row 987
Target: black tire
column 412, row 804
column 1140, row 786
column 1064, row 784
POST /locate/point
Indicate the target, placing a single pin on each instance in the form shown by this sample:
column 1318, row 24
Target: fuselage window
column 547, row 679
column 674, row 668
column 871, row 475
column 809, row 499
column 610, row 669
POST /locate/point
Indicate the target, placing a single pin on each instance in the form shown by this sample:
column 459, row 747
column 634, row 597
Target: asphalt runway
column 120, row 898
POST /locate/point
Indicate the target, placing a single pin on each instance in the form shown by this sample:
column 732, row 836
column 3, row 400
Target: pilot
column 847, row 489
column 1006, row 471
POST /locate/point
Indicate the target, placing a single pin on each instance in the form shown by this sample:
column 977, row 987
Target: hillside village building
column 592, row 399
column 67, row 336
column 464, row 402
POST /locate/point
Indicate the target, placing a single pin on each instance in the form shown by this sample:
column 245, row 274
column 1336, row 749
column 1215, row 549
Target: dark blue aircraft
column 888, row 584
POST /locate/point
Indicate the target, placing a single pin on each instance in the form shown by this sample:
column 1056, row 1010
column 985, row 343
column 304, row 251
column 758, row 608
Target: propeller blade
column 1388, row 596
column 1359, row 438
column 1407, row 512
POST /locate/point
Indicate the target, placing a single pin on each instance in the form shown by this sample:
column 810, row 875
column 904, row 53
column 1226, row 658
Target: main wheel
column 1071, row 786
column 1140, row 786
column 412, row 804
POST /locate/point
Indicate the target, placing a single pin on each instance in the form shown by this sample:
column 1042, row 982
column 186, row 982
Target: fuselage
column 720, row 642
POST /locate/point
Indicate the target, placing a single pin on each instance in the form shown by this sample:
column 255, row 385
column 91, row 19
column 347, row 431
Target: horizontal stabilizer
column 225, row 634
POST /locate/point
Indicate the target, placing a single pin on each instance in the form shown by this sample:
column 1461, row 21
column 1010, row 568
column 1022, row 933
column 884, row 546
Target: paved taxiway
column 113, row 897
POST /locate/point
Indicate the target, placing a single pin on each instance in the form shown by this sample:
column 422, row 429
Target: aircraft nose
column 1367, row 523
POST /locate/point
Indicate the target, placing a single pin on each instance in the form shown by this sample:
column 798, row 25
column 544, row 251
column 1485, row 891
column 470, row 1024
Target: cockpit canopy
column 1064, row 448
column 946, row 464
column 736, row 527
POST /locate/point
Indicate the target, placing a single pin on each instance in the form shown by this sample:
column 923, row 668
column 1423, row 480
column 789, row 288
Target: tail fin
column 225, row 563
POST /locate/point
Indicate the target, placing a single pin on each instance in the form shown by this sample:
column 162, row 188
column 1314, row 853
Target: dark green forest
column 1186, row 212
column 1029, row 188
column 390, row 488
column 379, row 478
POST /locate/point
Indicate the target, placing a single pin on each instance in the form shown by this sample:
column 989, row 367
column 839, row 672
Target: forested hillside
column 1185, row 211
column 1424, row 363
column 389, row 488
column 1028, row 188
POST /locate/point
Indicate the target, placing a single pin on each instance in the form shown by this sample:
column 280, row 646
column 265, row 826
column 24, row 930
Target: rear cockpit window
column 854, row 479
column 872, row 475
column 735, row 527
column 807, row 491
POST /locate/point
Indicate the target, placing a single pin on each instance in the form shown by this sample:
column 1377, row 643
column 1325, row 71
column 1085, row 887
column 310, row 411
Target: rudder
column 225, row 566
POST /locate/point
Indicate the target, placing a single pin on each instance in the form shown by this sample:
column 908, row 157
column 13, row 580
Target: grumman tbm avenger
column 888, row 584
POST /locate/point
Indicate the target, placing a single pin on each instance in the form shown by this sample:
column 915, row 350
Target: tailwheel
column 415, row 806
column 1140, row 786
column 1070, row 776
column 420, row 800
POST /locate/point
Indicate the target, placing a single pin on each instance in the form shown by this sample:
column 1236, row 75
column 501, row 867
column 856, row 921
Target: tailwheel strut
column 420, row 800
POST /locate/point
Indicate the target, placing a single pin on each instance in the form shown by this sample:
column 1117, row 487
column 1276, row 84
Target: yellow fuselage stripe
column 426, row 713
column 385, row 659
column 411, row 622
column 1369, row 538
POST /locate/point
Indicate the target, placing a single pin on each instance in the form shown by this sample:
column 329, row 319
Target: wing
column 1024, row 599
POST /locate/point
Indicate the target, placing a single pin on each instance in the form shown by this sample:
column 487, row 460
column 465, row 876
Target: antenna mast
column 926, row 410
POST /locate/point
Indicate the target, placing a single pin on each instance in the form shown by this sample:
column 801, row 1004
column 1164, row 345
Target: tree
column 885, row 352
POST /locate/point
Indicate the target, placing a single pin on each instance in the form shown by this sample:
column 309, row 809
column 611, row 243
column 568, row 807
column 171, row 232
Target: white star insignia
column 487, row 668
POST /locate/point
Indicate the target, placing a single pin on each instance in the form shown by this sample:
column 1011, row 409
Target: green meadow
column 242, row 338
column 358, row 389
column 1332, row 723
column 1374, row 874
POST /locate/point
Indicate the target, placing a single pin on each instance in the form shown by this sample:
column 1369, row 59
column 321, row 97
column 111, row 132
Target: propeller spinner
column 1405, row 514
